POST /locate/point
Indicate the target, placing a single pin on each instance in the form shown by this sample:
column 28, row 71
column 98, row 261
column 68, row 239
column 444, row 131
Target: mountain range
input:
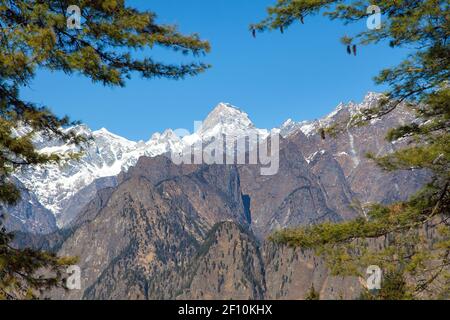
column 145, row 228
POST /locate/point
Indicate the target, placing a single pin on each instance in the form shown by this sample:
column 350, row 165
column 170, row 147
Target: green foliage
column 25, row 274
column 393, row 237
column 394, row 287
column 409, row 240
column 109, row 48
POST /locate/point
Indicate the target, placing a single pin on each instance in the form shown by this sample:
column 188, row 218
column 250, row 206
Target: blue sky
column 302, row 74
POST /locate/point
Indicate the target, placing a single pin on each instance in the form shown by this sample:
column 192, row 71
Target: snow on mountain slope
column 311, row 127
column 108, row 154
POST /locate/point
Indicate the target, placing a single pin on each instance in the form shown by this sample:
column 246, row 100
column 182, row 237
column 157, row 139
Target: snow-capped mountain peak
column 341, row 112
column 290, row 126
column 226, row 118
column 166, row 136
column 110, row 138
column 81, row 129
column 106, row 132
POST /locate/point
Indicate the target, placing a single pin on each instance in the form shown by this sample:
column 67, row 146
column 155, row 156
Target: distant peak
column 225, row 109
column 169, row 134
column 370, row 99
column 106, row 134
column 102, row 130
column 166, row 136
column 225, row 114
column 372, row 96
column 80, row 129
column 288, row 122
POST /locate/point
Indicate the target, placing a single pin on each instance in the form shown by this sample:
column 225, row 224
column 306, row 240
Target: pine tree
column 108, row 46
column 409, row 239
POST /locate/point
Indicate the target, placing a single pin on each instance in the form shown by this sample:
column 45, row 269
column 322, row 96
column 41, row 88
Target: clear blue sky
column 302, row 74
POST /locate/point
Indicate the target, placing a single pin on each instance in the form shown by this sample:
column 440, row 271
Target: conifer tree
column 107, row 42
column 410, row 239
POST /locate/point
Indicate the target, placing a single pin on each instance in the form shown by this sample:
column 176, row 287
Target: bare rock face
column 291, row 273
column 331, row 178
column 152, row 227
column 349, row 148
column 82, row 198
column 294, row 196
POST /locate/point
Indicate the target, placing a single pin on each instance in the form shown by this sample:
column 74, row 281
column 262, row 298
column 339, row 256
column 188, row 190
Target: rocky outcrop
column 295, row 195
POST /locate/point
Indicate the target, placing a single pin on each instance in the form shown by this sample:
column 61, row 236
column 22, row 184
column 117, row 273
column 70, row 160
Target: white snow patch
column 308, row 128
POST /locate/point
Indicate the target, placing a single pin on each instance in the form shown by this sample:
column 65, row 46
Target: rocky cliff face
column 154, row 225
column 158, row 230
column 350, row 147
column 294, row 196
column 29, row 215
